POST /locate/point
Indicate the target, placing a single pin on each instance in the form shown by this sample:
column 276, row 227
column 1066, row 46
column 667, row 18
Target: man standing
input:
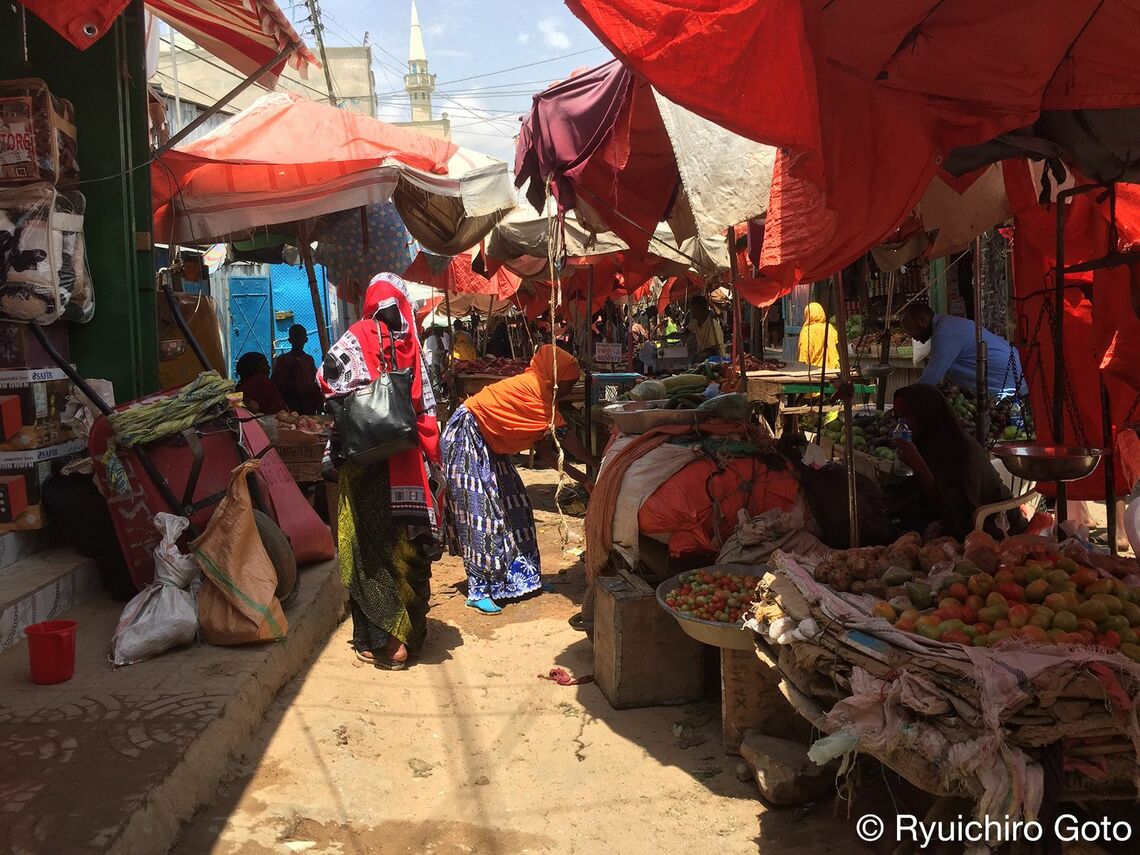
column 706, row 329
column 953, row 352
column 295, row 375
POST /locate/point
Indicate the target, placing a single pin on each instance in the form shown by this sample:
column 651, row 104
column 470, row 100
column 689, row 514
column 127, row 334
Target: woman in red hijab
column 387, row 522
column 493, row 519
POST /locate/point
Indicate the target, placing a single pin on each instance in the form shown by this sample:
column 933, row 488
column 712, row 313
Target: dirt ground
column 469, row 751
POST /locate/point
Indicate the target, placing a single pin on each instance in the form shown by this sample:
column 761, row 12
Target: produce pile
column 712, row 595
column 496, row 366
column 317, row 425
column 872, row 342
column 981, row 594
column 974, row 658
column 872, row 431
column 692, row 392
column 1004, row 414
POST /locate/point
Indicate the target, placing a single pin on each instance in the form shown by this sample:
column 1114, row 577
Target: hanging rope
column 553, row 249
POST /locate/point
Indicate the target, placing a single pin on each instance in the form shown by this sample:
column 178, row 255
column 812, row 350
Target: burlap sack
column 237, row 604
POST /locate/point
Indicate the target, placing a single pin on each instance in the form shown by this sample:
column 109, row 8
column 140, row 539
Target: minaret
column 418, row 83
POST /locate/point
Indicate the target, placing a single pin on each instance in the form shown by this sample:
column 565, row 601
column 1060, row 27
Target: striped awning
column 246, row 34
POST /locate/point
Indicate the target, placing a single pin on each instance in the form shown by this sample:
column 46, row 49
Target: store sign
column 17, row 138
column 607, row 352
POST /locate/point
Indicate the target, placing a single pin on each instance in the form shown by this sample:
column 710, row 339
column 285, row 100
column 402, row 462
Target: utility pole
column 176, row 125
column 318, row 33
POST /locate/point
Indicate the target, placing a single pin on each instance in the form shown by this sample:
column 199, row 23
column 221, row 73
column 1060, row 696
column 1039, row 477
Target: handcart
column 187, row 473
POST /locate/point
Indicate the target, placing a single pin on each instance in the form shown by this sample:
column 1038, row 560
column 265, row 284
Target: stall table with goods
column 1007, row 673
column 686, row 468
column 301, row 441
column 467, row 378
column 874, row 452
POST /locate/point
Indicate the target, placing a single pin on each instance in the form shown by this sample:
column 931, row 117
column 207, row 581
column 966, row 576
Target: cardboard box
column 13, row 497
column 642, row 658
column 19, row 348
column 33, row 467
column 41, row 407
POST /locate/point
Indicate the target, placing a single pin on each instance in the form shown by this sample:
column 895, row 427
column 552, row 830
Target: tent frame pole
column 314, row 287
column 848, row 421
column 737, row 313
column 221, row 103
column 589, row 408
column 982, row 414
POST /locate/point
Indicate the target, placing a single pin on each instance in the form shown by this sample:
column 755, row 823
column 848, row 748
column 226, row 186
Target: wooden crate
column 750, row 699
column 642, row 658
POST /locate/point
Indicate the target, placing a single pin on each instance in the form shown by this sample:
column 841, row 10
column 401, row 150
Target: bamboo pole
column 314, row 287
column 849, row 424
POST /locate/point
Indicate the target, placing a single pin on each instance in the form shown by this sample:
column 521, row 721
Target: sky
column 474, row 48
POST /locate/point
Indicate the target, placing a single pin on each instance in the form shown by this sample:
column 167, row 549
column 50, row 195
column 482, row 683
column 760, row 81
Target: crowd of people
column 459, row 490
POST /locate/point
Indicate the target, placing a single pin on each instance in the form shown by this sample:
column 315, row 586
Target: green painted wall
column 107, row 85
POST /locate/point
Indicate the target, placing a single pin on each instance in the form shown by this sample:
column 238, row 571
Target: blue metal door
column 251, row 317
column 293, row 304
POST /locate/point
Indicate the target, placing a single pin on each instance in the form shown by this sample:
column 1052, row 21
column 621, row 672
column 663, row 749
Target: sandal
column 369, row 658
column 485, row 606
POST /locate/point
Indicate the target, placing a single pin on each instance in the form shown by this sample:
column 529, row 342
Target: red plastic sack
column 683, row 505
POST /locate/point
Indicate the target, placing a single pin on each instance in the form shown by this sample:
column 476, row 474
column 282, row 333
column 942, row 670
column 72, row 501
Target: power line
column 197, row 57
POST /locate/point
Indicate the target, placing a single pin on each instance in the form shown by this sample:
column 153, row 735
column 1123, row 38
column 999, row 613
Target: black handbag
column 378, row 421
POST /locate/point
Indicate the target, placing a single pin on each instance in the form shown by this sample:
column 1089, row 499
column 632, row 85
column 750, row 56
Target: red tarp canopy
column 1101, row 333
column 868, row 97
column 456, row 275
column 244, row 33
column 600, row 136
column 283, row 159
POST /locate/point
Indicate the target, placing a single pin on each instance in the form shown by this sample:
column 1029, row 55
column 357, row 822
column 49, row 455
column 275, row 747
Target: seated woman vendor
column 953, row 476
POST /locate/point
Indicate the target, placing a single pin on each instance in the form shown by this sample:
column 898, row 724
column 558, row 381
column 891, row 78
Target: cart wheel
column 281, row 554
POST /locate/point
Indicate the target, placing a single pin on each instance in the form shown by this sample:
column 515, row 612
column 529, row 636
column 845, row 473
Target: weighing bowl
column 730, row 635
column 1035, row 462
column 877, row 371
column 636, row 417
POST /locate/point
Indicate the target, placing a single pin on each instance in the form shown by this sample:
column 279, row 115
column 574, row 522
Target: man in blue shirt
column 953, row 352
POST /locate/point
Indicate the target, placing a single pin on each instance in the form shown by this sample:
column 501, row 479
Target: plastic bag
column 238, row 603
column 43, row 255
column 162, row 615
column 40, row 139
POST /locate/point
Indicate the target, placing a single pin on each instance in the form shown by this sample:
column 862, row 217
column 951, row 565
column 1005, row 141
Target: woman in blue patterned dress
column 491, row 514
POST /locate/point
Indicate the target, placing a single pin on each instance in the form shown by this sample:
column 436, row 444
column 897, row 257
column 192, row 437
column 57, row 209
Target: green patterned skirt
column 383, row 564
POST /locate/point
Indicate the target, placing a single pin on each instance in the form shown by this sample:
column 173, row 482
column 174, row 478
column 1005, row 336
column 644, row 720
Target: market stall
column 999, row 672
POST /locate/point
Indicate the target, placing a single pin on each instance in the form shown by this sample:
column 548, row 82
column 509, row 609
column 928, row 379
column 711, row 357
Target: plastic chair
column 1023, row 492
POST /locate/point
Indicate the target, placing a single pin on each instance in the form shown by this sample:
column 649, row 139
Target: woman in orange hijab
column 492, row 521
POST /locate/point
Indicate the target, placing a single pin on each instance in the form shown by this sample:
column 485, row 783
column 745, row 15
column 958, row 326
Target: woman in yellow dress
column 812, row 335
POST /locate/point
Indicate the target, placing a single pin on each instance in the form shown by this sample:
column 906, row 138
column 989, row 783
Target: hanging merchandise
column 37, row 134
column 43, row 256
column 358, row 243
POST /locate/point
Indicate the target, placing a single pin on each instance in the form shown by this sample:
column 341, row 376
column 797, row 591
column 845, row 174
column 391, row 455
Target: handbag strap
column 384, row 369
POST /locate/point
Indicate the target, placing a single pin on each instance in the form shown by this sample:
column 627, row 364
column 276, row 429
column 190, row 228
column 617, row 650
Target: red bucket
column 51, row 650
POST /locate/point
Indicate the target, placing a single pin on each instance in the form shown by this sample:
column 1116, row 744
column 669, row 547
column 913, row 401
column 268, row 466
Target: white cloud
column 451, row 53
column 437, row 28
column 553, row 34
column 523, row 38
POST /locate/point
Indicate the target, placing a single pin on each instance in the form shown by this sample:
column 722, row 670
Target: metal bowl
column 1035, row 462
column 877, row 371
column 635, row 417
column 730, row 635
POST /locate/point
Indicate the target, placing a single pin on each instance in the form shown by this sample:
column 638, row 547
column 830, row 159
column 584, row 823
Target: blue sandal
column 486, row 605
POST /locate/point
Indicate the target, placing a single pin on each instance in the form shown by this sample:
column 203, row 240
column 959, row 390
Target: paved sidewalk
column 117, row 758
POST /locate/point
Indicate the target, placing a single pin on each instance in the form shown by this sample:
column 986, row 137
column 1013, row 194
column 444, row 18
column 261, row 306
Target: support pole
column 318, row 34
column 982, row 414
column 737, row 314
column 848, row 427
column 1107, row 460
column 589, row 408
column 314, row 287
column 1059, row 354
column 885, row 345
